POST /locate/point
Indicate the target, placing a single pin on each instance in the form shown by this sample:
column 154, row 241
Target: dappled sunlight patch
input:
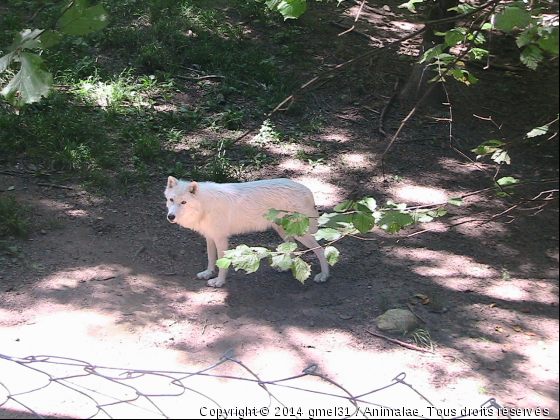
column 290, row 164
column 487, row 232
column 335, row 136
column 421, row 195
column 523, row 290
column 78, row 213
column 325, row 193
column 73, row 277
column 545, row 355
column 406, row 26
column 450, row 270
column 508, row 291
column 453, row 165
column 54, row 204
column 437, row 226
column 355, row 160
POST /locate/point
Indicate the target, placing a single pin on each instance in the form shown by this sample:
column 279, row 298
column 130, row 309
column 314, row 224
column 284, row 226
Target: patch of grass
column 58, row 135
column 422, row 338
column 14, row 219
column 123, row 96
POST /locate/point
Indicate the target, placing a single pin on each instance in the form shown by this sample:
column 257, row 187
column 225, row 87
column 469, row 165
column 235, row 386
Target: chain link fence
column 55, row 387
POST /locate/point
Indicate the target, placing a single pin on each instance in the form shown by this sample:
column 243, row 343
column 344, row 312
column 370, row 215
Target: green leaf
column 501, row 156
column 273, row 215
column 537, row 131
column 445, row 59
column 287, row 247
column 245, row 258
column 31, row 82
column 488, row 147
column 300, row 269
column 463, row 8
column 82, row 20
column 410, row 5
column 511, row 18
column 548, row 40
column 531, row 56
column 6, row 60
column 342, row 207
column 423, row 218
column 364, row 222
column 296, row 224
column 290, row 9
column 430, row 215
column 526, row 37
column 506, row 181
column 478, row 53
column 335, row 220
column 224, row 263
column 432, row 53
column 457, row 201
column 331, row 254
column 478, row 38
column 282, row 261
column 328, row 234
column 26, row 39
column 369, row 203
column 455, row 36
column 393, row 221
column 391, row 204
column 49, row 38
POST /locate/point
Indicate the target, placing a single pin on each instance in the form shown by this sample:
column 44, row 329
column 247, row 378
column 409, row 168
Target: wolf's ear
column 172, row 182
column 193, row 187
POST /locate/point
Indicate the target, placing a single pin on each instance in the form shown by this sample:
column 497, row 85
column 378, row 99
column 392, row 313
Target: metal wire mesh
column 52, row 386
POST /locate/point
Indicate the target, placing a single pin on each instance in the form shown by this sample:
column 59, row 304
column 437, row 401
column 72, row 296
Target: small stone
column 397, row 321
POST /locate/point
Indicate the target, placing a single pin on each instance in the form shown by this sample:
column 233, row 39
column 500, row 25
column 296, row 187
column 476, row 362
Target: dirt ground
column 106, row 279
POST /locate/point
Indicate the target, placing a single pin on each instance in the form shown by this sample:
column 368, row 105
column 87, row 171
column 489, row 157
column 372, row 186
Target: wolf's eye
column 183, row 202
column 171, row 200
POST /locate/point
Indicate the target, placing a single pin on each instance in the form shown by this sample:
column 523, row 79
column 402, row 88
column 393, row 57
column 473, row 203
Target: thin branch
column 401, row 343
column 434, row 84
column 290, row 99
column 382, row 116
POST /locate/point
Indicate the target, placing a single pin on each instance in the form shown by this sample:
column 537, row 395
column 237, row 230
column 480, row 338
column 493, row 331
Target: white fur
column 218, row 211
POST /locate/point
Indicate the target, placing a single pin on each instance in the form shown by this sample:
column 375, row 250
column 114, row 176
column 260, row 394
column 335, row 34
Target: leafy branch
column 355, row 218
column 32, row 81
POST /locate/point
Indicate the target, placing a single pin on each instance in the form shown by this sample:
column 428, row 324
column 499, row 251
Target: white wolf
column 218, row 211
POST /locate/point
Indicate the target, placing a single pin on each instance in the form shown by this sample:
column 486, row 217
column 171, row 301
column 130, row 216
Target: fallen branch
column 401, row 343
column 62, row 187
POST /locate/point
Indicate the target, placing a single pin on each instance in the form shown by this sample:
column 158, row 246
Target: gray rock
column 397, row 321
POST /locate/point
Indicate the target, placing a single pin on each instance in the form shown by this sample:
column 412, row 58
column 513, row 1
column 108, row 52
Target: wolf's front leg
column 212, row 258
column 221, row 246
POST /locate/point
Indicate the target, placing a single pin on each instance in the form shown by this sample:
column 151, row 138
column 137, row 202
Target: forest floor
column 106, row 279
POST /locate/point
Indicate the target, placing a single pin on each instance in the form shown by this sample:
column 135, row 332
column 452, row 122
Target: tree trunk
column 418, row 82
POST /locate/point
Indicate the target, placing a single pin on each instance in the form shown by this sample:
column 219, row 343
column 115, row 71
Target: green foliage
column 289, row 9
column 535, row 35
column 14, row 220
column 497, row 150
column 33, row 81
column 349, row 218
column 79, row 19
column 58, row 135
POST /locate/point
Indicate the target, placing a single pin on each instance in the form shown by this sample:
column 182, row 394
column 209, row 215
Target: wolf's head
column 183, row 206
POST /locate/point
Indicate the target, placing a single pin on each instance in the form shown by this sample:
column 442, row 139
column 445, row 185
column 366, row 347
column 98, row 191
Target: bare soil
column 105, row 278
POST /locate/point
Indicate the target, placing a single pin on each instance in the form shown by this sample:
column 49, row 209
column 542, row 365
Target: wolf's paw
column 321, row 278
column 215, row 282
column 205, row 275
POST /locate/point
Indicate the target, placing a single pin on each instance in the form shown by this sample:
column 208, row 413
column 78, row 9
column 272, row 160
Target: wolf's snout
column 171, row 217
